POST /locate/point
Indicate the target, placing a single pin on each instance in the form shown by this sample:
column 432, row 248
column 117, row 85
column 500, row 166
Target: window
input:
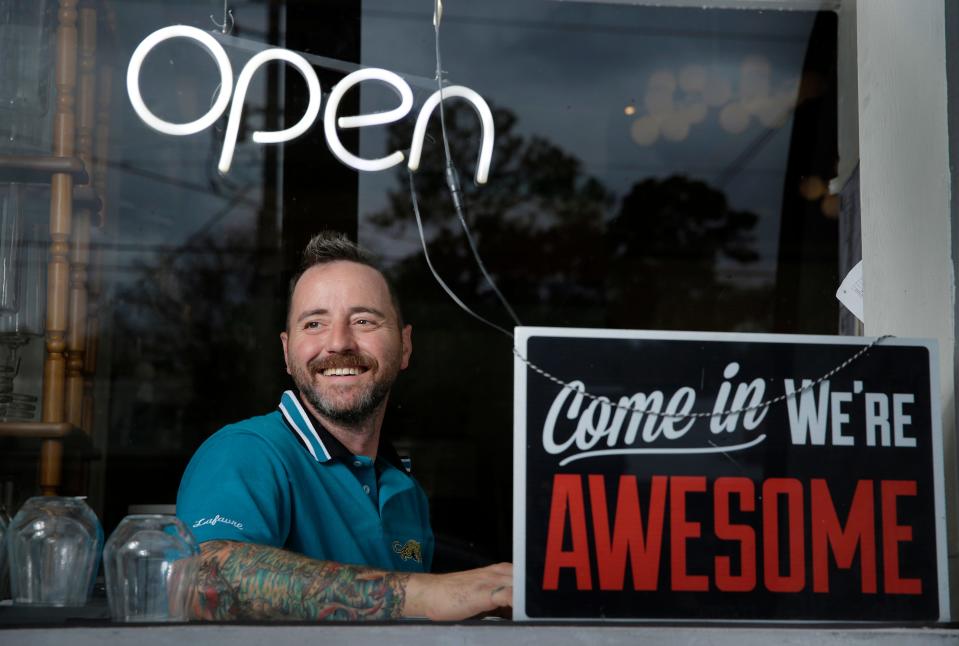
column 653, row 168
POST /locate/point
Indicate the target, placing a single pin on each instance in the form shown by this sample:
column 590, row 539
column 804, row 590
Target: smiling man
column 307, row 512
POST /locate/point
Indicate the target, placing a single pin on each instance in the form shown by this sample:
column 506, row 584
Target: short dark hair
column 332, row 246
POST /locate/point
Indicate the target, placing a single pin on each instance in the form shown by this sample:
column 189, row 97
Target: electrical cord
column 452, row 176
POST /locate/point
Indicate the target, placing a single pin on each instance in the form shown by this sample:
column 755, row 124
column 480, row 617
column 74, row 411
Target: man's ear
column 407, row 334
column 284, row 339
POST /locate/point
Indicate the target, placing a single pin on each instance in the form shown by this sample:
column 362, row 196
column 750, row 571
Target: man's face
column 343, row 345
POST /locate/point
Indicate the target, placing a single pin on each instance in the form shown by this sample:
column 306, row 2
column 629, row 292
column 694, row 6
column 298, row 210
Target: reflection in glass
column 644, row 176
column 26, row 45
column 11, row 223
column 19, row 327
column 683, row 211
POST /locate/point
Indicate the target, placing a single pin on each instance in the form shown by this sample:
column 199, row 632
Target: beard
column 363, row 403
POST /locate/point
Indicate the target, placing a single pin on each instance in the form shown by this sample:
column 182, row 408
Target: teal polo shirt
column 283, row 480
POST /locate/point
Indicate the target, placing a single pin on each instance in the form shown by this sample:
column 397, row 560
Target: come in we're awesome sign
column 825, row 506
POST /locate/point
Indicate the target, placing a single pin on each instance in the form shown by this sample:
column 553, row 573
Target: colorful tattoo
column 246, row 581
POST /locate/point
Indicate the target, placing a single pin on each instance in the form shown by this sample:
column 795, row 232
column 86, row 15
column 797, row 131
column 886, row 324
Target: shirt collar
column 322, row 444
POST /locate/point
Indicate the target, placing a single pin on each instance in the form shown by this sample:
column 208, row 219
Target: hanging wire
column 452, row 181
column 429, row 263
column 551, row 377
column 227, row 20
column 452, row 177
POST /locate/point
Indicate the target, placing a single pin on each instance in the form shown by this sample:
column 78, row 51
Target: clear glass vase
column 150, row 563
column 11, row 234
column 31, row 294
column 53, row 546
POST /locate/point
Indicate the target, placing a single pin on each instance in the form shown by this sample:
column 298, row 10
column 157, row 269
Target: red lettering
column 628, row 536
column 744, row 534
column 795, row 579
column 567, row 495
column 826, row 531
column 680, row 530
column 893, row 534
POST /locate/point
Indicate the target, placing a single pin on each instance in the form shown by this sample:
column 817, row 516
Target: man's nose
column 341, row 337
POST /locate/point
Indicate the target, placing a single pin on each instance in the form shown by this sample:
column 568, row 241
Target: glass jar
column 150, row 564
column 53, row 545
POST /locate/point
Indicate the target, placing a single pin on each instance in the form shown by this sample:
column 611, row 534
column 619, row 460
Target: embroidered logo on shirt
column 410, row 551
column 217, row 519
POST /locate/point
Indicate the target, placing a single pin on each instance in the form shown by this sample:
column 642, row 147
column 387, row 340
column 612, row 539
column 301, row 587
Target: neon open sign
column 330, row 120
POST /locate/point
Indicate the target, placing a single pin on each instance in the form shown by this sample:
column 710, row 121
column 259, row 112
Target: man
column 306, row 512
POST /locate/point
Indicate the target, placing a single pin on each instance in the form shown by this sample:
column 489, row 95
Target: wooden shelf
column 37, row 430
column 78, row 123
column 37, row 169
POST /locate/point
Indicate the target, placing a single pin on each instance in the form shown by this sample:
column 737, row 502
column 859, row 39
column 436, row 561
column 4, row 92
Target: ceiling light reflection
column 692, row 79
column 675, row 127
column 734, row 119
column 718, row 91
column 645, row 130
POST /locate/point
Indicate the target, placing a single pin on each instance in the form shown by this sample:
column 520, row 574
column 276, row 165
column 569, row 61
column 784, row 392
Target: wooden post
column 61, row 212
column 80, row 253
column 76, row 336
column 51, row 464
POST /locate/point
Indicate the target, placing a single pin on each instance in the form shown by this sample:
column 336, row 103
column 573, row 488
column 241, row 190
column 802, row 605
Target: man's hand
column 459, row 595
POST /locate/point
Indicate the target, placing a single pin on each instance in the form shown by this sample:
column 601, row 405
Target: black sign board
column 825, row 505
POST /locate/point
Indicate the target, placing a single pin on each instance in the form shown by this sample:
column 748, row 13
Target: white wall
column 905, row 183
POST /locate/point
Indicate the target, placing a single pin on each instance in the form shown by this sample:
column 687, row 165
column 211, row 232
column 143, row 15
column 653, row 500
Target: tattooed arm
column 247, row 581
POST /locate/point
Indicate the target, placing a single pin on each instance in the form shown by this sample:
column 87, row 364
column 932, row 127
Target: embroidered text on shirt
column 217, row 519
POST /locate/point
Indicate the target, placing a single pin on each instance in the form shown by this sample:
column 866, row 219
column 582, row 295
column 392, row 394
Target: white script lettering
column 601, row 419
column 330, row 121
column 217, row 519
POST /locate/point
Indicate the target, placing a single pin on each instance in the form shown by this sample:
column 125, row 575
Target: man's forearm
column 246, row 581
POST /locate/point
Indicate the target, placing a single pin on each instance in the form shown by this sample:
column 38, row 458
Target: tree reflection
column 538, row 222
column 565, row 253
column 546, row 229
column 560, row 252
column 666, row 246
column 561, row 247
column 184, row 343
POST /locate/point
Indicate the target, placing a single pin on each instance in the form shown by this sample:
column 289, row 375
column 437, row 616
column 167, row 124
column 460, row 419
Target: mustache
column 341, row 361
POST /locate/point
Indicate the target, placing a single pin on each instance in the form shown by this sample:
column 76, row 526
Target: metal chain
column 737, row 411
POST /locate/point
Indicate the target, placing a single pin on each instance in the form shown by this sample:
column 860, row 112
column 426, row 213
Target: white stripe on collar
column 306, row 442
column 309, row 425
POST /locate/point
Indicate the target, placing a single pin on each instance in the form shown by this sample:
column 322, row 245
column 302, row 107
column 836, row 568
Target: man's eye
column 363, row 322
column 312, row 325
